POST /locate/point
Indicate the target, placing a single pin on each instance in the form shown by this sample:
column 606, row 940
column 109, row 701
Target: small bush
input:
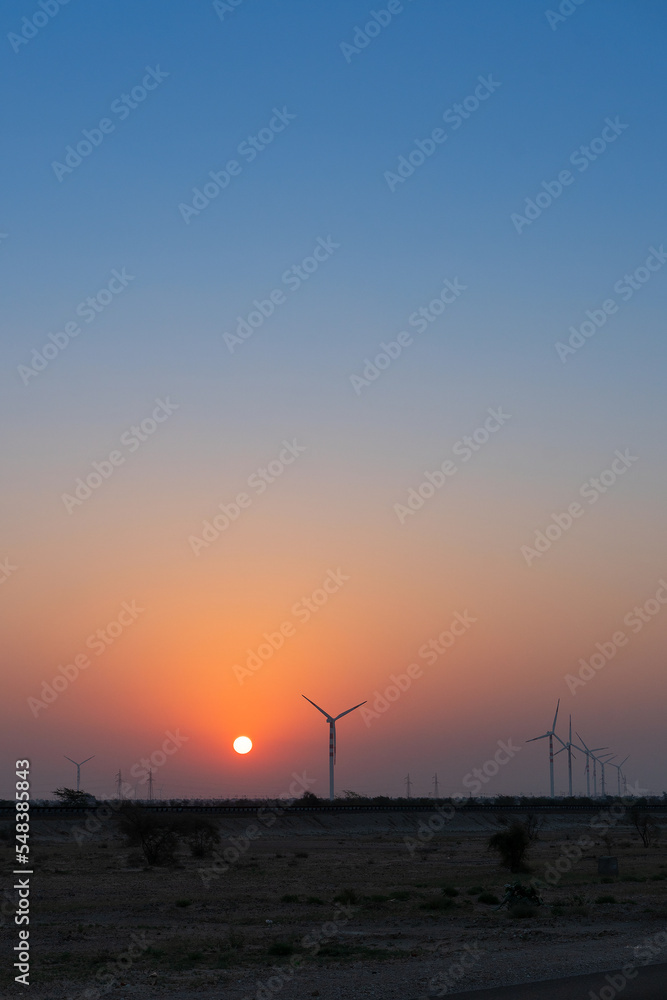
column 449, row 890
column 201, row 836
column 606, row 899
column 157, row 836
column 315, row 901
column 183, row 902
column 512, row 845
column 402, row 895
column 289, row 898
column 488, row 898
column 301, row 854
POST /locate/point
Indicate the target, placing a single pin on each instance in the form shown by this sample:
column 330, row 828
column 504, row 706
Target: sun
column 243, row 744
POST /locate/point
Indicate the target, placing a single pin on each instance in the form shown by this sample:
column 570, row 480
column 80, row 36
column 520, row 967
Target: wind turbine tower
column 568, row 746
column 590, row 753
column 618, row 774
column 550, row 733
column 78, row 768
column 436, row 793
column 332, row 720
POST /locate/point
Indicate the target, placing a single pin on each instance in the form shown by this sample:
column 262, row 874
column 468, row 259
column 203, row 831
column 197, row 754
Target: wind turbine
column 618, row 774
column 332, row 720
column 568, row 746
column 608, row 757
column 78, row 768
column 589, row 754
column 550, row 733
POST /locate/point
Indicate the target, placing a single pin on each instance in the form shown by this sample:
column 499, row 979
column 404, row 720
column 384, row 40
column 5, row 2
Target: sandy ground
column 331, row 907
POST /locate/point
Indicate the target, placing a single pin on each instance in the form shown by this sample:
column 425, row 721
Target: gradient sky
column 333, row 509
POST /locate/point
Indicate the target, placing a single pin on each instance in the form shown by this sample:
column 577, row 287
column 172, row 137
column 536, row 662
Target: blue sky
column 323, row 177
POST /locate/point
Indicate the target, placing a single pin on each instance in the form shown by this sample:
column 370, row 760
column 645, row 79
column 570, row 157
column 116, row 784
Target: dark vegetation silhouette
column 512, row 845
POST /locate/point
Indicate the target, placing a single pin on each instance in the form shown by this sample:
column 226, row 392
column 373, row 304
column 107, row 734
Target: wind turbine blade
column 623, row 761
column 542, row 737
column 570, row 736
column 325, row 714
column 69, row 758
column 349, row 710
column 87, row 759
column 587, row 749
column 553, row 728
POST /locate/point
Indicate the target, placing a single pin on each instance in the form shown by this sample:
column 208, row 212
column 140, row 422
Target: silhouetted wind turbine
column 332, row 720
column 568, row 746
column 550, row 733
column 618, row 773
column 603, row 762
column 78, row 768
column 589, row 754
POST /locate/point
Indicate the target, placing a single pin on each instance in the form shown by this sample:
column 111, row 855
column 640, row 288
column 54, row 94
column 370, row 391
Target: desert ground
column 331, row 906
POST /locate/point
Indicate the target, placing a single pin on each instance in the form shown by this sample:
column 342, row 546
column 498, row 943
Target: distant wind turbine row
column 605, row 759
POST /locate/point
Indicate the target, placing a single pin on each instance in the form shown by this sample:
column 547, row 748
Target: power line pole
column 119, row 785
column 408, row 785
column 150, row 784
column 436, row 794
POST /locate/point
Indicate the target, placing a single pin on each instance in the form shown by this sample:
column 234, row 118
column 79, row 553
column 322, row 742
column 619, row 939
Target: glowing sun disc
column 242, row 744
